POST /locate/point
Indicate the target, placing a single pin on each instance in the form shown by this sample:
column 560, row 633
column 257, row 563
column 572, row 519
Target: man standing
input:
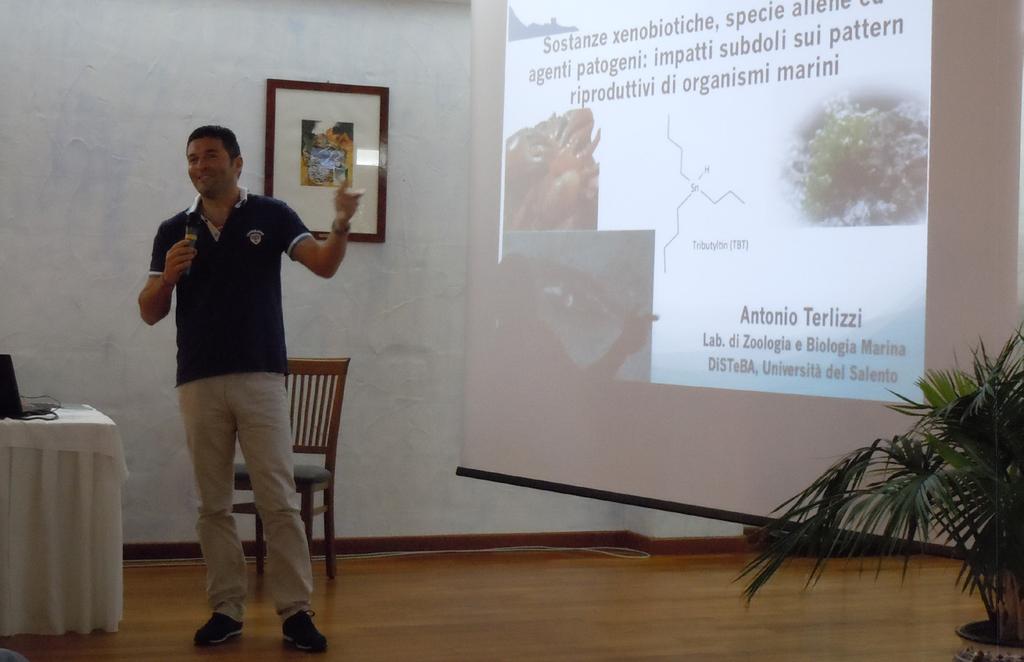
column 231, row 362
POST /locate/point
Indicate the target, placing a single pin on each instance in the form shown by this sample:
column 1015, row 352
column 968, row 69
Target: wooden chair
column 316, row 388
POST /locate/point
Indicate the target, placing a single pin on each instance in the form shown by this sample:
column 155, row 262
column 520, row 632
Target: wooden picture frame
column 320, row 135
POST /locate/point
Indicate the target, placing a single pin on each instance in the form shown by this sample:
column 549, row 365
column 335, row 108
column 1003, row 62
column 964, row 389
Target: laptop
column 11, row 404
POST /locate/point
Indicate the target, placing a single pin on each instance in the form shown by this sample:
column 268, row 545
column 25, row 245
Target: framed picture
column 321, row 136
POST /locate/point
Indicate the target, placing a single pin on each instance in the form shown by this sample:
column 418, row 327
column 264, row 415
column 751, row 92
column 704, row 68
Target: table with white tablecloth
column 60, row 523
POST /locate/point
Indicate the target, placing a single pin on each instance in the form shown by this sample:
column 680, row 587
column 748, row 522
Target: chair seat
column 311, row 473
column 305, row 474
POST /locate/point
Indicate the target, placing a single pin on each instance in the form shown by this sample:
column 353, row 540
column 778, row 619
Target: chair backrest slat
column 313, row 409
column 323, row 409
column 307, row 395
column 302, row 438
column 316, row 391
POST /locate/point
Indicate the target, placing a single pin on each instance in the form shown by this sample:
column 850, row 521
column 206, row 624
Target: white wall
column 98, row 100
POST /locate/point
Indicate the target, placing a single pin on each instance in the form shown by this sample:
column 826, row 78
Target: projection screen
column 711, row 240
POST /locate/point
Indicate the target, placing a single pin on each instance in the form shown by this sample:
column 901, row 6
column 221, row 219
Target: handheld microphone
column 191, row 232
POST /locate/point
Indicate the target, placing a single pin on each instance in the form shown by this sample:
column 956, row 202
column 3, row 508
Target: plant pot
column 984, row 646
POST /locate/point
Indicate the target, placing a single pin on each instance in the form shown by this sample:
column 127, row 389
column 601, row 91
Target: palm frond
column 958, row 472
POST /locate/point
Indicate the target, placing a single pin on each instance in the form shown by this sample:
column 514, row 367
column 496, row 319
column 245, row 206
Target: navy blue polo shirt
column 228, row 309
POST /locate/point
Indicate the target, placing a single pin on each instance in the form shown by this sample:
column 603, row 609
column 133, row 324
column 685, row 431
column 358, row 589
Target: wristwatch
column 342, row 230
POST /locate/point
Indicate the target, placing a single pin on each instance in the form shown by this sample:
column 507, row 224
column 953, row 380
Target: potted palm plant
column 957, row 476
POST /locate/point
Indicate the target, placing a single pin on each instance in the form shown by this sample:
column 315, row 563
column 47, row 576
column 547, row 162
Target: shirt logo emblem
column 255, row 236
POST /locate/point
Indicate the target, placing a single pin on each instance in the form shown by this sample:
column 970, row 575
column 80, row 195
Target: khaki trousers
column 254, row 407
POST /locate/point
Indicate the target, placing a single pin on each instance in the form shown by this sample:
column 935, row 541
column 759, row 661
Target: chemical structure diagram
column 695, row 188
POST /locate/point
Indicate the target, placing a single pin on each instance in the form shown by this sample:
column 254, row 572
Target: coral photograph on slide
column 863, row 162
column 551, row 177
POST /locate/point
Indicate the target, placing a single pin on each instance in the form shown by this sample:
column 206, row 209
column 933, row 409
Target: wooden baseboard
column 757, row 540
column 164, row 551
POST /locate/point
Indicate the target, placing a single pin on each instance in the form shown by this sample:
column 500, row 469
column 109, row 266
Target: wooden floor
column 552, row 606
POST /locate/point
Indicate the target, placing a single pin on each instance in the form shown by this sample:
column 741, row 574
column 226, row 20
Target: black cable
column 50, row 415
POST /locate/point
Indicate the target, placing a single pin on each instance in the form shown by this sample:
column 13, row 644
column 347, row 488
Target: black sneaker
column 217, row 630
column 300, row 632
